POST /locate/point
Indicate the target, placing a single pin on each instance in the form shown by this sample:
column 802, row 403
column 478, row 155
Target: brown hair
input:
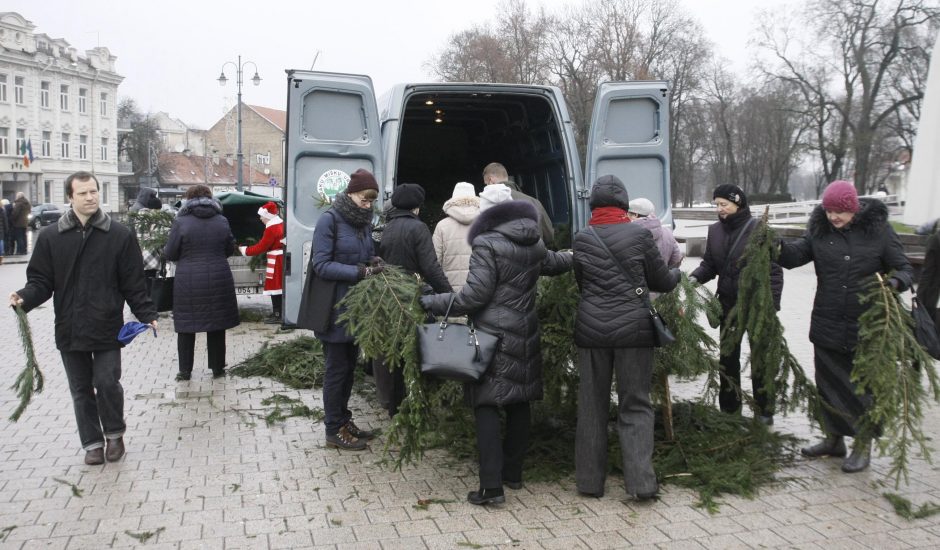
column 80, row 176
column 368, row 194
column 197, row 191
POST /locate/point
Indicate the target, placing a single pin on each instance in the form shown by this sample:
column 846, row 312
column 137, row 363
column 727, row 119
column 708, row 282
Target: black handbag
column 662, row 336
column 318, row 296
column 454, row 351
column 925, row 331
column 161, row 289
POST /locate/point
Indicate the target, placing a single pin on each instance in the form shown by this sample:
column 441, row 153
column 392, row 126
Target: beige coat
column 450, row 239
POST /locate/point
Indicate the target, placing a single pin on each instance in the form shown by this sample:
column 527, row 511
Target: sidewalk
column 204, row 471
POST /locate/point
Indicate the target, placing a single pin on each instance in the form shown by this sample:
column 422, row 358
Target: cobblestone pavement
column 203, row 471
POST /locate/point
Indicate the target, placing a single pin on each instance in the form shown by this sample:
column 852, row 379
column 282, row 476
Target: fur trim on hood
column 463, row 209
column 511, row 218
column 201, row 207
column 872, row 215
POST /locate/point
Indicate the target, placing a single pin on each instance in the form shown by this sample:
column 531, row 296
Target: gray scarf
column 350, row 211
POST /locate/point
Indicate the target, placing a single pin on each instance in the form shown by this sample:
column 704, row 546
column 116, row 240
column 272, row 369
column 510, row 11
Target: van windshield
column 449, row 136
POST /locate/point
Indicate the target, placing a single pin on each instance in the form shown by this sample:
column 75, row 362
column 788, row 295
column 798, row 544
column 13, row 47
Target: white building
column 64, row 105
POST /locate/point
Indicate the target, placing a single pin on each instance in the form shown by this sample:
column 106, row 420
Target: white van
column 440, row 133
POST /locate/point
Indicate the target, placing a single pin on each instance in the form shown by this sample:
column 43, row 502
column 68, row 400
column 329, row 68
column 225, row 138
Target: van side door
column 629, row 138
column 332, row 131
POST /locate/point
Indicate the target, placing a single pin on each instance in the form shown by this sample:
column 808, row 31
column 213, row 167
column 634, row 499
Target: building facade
column 262, row 140
column 63, row 105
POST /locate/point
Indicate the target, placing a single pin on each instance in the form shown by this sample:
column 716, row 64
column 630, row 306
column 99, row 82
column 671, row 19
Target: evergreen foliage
column 29, row 381
column 557, row 307
column 152, row 228
column 754, row 312
column 905, row 508
column 297, row 363
column 887, row 366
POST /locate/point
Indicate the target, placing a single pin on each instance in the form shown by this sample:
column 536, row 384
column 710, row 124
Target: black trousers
column 729, row 400
column 501, row 457
column 97, row 395
column 337, row 383
column 276, row 301
column 215, row 346
column 389, row 386
column 834, row 379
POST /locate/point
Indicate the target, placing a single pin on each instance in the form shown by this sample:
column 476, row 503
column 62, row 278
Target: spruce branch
column 887, row 368
column 783, row 379
column 30, row 380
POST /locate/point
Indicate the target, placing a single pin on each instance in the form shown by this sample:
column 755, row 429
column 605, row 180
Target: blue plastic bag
column 132, row 329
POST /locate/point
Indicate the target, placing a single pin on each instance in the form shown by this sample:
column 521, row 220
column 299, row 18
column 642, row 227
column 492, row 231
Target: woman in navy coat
column 204, row 291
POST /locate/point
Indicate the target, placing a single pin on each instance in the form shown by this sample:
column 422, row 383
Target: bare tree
column 142, row 144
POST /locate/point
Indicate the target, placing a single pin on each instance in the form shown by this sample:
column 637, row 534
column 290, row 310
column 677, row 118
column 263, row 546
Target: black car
column 44, row 214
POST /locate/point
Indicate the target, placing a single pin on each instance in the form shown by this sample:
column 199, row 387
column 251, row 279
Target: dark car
column 44, row 214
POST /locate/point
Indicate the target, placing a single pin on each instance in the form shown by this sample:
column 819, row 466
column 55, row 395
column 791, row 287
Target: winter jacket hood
column 406, row 242
column 463, row 209
column 450, row 238
column 144, row 196
column 871, row 217
column 201, row 207
column 517, row 220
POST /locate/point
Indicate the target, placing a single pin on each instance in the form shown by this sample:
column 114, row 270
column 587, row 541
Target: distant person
column 643, row 213
column 90, row 266
column 450, row 235
column 152, row 257
column 145, row 199
column 406, row 242
column 928, row 288
column 724, row 248
column 849, row 240
column 20, row 221
column 495, row 172
column 9, row 240
column 271, row 244
column 3, row 233
column 200, row 242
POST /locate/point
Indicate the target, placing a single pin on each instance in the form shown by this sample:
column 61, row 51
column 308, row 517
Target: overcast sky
column 171, row 52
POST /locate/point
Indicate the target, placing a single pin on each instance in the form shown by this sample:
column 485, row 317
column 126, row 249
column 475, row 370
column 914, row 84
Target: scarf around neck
column 350, row 211
column 606, row 215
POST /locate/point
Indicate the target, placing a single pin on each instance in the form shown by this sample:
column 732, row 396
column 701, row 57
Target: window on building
column 104, row 104
column 46, row 144
column 47, row 189
column 104, row 148
column 44, row 94
column 4, row 141
column 20, row 141
column 3, row 87
column 65, row 145
column 19, row 90
column 64, row 97
column 105, row 192
column 82, row 100
column 83, row 147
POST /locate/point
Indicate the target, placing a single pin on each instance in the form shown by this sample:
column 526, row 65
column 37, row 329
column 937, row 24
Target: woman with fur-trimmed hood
column 450, row 235
column 848, row 240
column 507, row 258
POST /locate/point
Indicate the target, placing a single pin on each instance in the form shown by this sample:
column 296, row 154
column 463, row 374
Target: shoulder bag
column 454, row 351
column 925, row 331
column 161, row 289
column 662, row 336
column 316, row 300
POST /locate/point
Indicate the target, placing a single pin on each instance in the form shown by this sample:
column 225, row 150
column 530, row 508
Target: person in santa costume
column 271, row 243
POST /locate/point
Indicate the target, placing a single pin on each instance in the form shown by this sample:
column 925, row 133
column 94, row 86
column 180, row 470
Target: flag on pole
column 23, row 151
column 29, row 150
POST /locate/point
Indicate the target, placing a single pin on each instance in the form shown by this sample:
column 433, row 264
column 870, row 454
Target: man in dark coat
column 406, row 242
column 507, row 258
column 616, row 264
column 20, row 221
column 145, row 199
column 848, row 240
column 495, row 172
column 90, row 265
column 8, row 237
column 3, row 233
column 727, row 240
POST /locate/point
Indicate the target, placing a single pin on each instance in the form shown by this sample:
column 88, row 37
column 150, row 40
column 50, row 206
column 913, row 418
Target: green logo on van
column 331, row 183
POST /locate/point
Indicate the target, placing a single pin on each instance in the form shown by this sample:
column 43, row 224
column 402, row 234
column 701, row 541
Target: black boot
column 486, row 496
column 833, row 445
column 860, row 457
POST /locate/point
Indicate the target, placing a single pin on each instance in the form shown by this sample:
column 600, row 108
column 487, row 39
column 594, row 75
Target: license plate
column 247, row 290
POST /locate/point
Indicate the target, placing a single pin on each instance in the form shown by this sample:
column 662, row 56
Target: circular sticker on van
column 331, row 183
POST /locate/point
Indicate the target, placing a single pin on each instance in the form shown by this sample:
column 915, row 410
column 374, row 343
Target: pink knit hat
column 840, row 196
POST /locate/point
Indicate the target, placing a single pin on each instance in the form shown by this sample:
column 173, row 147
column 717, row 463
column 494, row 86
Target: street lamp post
column 238, row 81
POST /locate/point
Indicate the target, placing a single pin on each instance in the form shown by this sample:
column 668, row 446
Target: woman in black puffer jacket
column 848, row 240
column 727, row 239
column 508, row 257
column 614, row 333
column 204, row 291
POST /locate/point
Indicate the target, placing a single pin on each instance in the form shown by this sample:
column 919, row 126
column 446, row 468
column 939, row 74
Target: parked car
column 44, row 214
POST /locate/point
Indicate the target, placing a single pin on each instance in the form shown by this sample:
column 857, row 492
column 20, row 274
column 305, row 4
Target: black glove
column 376, row 261
column 895, row 284
column 426, row 289
column 425, row 302
column 693, row 279
column 368, row 271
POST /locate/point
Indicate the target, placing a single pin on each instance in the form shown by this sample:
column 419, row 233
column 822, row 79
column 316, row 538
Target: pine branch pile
column 30, row 380
column 382, row 313
column 905, row 508
column 152, row 228
column 296, row 363
column 557, row 307
column 887, row 366
column 754, row 312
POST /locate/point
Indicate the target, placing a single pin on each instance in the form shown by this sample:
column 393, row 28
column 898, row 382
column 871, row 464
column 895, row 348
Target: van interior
column 450, row 136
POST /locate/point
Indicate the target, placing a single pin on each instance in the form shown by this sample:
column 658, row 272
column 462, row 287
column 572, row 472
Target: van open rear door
column 629, row 138
column 332, row 131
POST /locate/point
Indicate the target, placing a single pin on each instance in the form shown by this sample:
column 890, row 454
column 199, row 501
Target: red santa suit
column 271, row 243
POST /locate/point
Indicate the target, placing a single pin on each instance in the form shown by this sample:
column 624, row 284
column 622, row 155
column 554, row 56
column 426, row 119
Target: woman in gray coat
column 200, row 240
column 505, row 263
column 615, row 263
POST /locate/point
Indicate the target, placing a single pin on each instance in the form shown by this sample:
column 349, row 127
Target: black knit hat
column 408, row 196
column 360, row 180
column 731, row 193
column 609, row 191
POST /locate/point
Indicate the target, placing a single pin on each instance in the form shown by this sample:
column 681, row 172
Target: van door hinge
column 287, row 264
column 584, row 193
